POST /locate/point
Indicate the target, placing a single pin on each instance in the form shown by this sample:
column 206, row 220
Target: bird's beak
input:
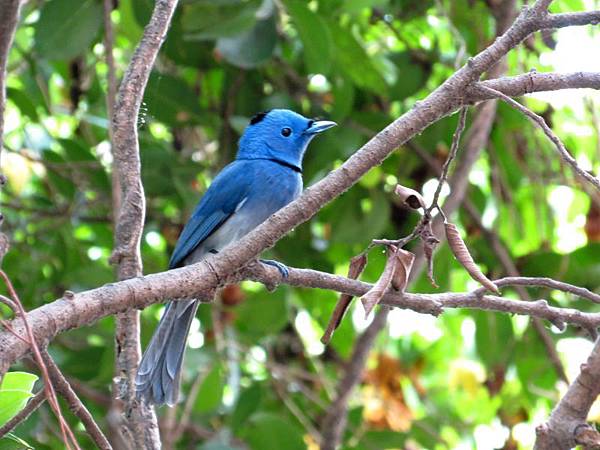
column 318, row 126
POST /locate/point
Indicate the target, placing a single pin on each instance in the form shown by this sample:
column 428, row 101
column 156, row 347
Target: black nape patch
column 258, row 117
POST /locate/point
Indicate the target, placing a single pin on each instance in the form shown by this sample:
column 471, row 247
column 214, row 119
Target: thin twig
column 334, row 423
column 460, row 127
column 511, row 269
column 296, row 411
column 111, row 80
column 67, row 433
column 8, row 302
column 184, row 420
column 63, row 387
column 34, row 403
column 539, row 120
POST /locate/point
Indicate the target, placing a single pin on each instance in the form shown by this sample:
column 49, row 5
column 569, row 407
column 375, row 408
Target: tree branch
column 334, row 423
column 9, row 18
column 204, row 276
column 141, row 419
column 510, row 268
column 62, row 386
column 530, row 82
column 567, row 425
column 564, row 154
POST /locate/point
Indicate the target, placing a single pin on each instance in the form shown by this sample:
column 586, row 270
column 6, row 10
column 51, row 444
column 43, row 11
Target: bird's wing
column 222, row 199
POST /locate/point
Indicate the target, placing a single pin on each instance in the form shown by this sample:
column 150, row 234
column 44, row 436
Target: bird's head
column 280, row 134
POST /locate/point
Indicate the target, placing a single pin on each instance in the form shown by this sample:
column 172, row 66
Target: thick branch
column 567, row 425
column 86, row 307
column 204, row 276
column 534, row 82
column 9, row 17
column 141, row 419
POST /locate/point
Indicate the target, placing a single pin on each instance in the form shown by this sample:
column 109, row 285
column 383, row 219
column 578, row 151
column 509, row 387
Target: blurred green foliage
column 359, row 62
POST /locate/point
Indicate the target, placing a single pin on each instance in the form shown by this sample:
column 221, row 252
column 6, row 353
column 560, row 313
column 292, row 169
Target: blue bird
column 265, row 176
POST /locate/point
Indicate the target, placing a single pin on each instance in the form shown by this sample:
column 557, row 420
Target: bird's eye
column 286, row 131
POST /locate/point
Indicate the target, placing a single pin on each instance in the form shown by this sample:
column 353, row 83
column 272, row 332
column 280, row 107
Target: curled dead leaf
column 430, row 242
column 396, row 273
column 403, row 269
column 357, row 265
column 463, row 256
column 410, row 197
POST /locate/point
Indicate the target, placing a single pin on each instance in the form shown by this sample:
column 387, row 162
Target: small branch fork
column 540, row 122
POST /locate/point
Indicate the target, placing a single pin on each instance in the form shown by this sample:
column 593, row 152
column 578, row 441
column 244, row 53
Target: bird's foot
column 283, row 270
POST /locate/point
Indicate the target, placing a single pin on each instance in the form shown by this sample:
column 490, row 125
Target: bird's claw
column 283, row 270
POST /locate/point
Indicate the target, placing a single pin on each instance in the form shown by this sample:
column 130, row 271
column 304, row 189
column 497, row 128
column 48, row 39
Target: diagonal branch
column 567, row 425
column 560, row 147
column 204, row 276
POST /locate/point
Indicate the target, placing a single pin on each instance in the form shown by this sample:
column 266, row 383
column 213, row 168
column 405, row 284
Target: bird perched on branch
column 265, row 176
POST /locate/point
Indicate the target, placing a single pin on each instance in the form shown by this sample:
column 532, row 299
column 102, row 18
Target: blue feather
column 265, row 177
column 216, row 206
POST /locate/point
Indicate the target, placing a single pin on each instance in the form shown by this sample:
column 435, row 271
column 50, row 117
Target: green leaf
column 315, row 36
column 170, row 100
column 18, row 380
column 267, row 431
column 23, row 102
column 492, row 328
column 411, row 76
column 206, row 20
column 12, row 442
column 15, row 391
column 250, row 48
column 383, row 439
column 355, row 62
column 76, row 151
column 211, row 391
column 66, row 28
column 247, row 404
column 263, row 314
column 534, row 372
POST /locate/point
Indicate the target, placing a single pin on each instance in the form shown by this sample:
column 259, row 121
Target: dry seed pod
column 461, row 252
column 357, row 265
column 403, row 269
column 410, row 197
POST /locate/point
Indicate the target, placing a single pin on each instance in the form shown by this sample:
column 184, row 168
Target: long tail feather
column 159, row 374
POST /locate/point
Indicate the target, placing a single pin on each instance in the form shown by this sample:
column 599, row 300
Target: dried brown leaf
column 376, row 293
column 410, row 197
column 403, row 269
column 461, row 252
column 430, row 242
column 357, row 265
